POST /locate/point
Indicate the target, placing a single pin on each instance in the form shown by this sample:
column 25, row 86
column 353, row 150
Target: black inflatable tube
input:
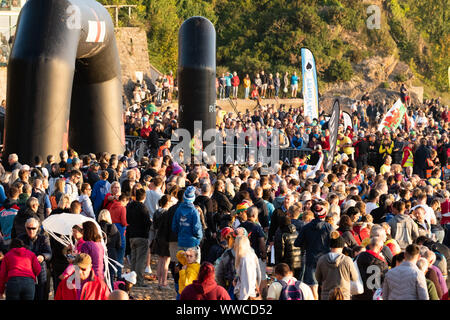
column 64, row 65
column 197, row 74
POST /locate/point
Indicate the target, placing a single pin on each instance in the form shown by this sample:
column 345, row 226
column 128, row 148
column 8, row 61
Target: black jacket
column 172, row 236
column 112, row 175
column 379, row 214
column 314, row 238
column 274, row 223
column 113, row 240
column 285, row 251
column 223, row 204
column 364, row 261
column 153, row 140
column 39, row 246
column 420, row 156
column 209, row 208
column 162, row 225
column 138, row 219
column 263, row 212
column 41, row 198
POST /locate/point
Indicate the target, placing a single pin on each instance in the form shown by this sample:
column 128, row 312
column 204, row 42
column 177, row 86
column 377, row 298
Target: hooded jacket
column 205, row 288
column 186, row 223
column 314, row 238
column 404, row 230
column 8, row 212
column 335, row 270
column 93, row 289
column 188, row 275
column 99, row 191
column 18, row 262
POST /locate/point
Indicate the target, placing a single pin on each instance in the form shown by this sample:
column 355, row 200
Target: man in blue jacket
column 187, row 224
column 297, row 141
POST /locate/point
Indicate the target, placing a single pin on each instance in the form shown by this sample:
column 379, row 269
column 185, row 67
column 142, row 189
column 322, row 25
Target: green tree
column 339, row 70
column 163, row 24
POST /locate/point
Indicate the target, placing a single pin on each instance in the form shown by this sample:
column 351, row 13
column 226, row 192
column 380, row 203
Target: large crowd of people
column 374, row 226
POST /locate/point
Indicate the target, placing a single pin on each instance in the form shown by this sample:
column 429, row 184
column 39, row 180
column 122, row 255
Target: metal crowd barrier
column 239, row 154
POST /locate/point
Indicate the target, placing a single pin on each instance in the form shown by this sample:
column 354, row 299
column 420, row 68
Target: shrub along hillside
column 268, row 34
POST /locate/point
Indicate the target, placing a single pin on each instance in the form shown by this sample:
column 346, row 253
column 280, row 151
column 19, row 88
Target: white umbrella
column 64, row 222
column 59, row 226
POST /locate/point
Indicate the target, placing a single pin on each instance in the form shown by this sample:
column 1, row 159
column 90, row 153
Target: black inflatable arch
column 64, row 85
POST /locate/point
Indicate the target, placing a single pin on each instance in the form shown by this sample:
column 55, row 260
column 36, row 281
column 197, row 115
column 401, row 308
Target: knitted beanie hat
column 189, row 194
column 243, row 206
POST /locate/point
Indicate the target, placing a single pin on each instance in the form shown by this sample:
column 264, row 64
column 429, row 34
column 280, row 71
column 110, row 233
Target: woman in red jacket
column 18, row 272
column 82, row 284
column 205, row 287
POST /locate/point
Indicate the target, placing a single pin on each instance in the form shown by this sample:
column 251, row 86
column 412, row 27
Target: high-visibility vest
column 410, row 160
column 161, row 150
column 429, row 168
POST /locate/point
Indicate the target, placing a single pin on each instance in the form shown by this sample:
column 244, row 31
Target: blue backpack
column 291, row 291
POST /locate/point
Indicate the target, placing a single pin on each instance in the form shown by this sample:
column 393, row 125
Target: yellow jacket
column 387, row 150
column 188, row 275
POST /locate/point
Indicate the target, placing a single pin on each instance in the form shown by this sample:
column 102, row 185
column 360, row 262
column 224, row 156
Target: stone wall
column 133, row 53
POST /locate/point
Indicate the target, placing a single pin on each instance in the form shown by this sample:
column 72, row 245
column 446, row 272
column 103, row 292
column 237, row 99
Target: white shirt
column 71, row 190
column 370, row 206
column 151, row 200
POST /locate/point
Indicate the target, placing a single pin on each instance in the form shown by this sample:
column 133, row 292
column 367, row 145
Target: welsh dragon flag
column 393, row 117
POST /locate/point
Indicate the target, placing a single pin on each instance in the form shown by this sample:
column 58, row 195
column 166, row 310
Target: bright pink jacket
column 18, row 262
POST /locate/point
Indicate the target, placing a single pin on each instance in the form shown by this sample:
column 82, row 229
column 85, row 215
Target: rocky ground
column 152, row 292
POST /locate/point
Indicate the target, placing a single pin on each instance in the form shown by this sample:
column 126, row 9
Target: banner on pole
column 309, row 88
column 347, row 120
column 333, row 126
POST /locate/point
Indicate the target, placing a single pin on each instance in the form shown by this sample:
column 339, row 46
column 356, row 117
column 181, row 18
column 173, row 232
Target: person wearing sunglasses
column 39, row 244
column 82, row 284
